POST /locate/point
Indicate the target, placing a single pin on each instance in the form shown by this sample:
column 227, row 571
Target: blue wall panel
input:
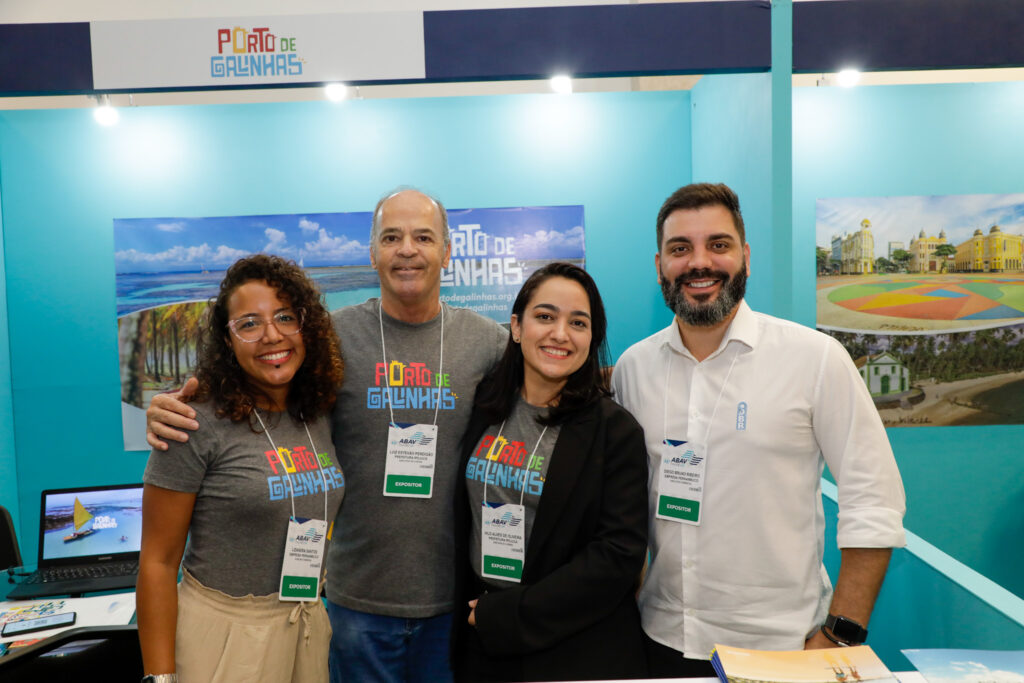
column 732, row 144
column 65, row 179
column 45, row 58
column 964, row 486
column 881, row 35
column 920, row 607
column 8, row 464
column 690, row 37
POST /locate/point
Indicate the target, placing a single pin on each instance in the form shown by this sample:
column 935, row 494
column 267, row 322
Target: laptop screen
column 90, row 523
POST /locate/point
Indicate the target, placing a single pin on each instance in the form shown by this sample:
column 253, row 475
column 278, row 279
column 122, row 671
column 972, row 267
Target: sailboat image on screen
column 82, row 517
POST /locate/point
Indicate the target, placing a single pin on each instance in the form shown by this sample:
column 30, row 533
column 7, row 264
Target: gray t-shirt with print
column 395, row 556
column 240, row 520
column 509, row 465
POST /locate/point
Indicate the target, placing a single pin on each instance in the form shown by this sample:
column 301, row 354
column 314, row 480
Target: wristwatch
column 160, row 678
column 843, row 631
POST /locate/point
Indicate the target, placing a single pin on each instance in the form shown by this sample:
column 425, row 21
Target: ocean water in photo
column 122, row 538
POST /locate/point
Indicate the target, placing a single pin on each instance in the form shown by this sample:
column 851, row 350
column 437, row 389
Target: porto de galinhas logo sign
column 254, row 52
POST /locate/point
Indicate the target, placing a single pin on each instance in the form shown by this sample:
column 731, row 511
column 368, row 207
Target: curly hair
column 221, row 378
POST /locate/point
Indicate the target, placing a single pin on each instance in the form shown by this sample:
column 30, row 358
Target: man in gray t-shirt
column 390, row 564
column 393, row 555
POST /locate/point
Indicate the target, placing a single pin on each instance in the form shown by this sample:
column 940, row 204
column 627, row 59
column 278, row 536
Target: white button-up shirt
column 773, row 404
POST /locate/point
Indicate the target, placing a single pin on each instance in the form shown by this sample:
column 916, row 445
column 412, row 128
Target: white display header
column 184, row 53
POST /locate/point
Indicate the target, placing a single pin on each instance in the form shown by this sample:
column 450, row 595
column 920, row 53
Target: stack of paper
column 833, row 665
column 101, row 610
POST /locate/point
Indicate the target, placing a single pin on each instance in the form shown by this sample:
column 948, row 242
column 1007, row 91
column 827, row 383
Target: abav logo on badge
column 507, row 519
column 419, row 438
column 311, row 536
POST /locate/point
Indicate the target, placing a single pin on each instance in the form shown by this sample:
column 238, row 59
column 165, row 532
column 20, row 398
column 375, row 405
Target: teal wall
column 8, row 465
column 731, row 139
column 922, row 607
column 965, row 489
column 65, row 179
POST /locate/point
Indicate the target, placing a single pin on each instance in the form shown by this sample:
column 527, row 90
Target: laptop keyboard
column 92, row 571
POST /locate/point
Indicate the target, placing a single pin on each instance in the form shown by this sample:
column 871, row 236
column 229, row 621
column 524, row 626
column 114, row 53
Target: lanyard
column 714, row 409
column 522, row 489
column 277, row 453
column 384, row 353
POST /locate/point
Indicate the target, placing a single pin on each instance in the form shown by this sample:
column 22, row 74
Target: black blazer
column 574, row 616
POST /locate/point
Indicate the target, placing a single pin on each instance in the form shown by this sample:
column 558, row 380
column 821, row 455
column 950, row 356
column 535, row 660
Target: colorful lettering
column 395, row 380
column 285, row 456
column 512, row 453
column 497, row 445
column 276, row 486
column 238, row 40
column 410, row 397
column 507, row 476
column 272, row 459
column 265, row 40
column 485, row 444
column 223, row 38
column 252, row 54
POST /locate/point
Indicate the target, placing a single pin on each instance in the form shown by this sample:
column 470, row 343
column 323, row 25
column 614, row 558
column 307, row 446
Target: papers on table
column 100, row 610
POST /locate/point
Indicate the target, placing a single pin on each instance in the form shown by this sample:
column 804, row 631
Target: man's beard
column 708, row 313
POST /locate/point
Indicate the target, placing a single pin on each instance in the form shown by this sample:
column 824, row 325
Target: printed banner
column 182, row 53
column 168, row 268
column 927, row 296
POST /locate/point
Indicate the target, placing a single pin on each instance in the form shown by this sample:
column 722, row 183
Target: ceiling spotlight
column 848, row 78
column 104, row 113
column 561, row 84
column 335, row 92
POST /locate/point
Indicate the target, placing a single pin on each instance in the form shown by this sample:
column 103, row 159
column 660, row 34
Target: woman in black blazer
column 552, row 513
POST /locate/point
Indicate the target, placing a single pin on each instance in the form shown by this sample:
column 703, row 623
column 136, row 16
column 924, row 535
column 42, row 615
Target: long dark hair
column 500, row 389
column 221, row 378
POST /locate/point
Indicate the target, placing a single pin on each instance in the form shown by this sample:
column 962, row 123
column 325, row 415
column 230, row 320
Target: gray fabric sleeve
column 183, row 466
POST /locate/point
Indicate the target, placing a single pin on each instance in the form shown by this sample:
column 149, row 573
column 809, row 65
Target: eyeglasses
column 252, row 328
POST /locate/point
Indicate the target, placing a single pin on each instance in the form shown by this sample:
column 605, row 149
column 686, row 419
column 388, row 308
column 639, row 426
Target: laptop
column 89, row 540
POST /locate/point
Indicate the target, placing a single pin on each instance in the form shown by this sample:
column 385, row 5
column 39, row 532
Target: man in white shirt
column 741, row 412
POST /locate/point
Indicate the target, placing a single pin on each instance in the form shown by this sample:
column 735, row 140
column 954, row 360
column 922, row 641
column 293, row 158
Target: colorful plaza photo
column 927, row 296
column 918, row 303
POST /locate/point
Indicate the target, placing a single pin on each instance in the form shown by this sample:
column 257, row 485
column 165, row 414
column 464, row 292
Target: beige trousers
column 221, row 639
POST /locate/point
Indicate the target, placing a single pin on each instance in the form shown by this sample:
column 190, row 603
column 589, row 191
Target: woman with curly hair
column 253, row 491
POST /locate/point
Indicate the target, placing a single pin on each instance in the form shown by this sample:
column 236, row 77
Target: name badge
column 303, row 557
column 412, row 450
column 502, row 541
column 681, row 481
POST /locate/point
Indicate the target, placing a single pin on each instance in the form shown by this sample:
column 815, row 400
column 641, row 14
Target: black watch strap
column 843, row 631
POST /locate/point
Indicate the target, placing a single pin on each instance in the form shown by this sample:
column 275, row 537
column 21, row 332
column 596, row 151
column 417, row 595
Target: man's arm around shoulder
column 168, row 413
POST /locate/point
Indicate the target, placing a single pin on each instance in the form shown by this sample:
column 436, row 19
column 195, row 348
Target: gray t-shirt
column 395, row 556
column 240, row 520
column 513, row 467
